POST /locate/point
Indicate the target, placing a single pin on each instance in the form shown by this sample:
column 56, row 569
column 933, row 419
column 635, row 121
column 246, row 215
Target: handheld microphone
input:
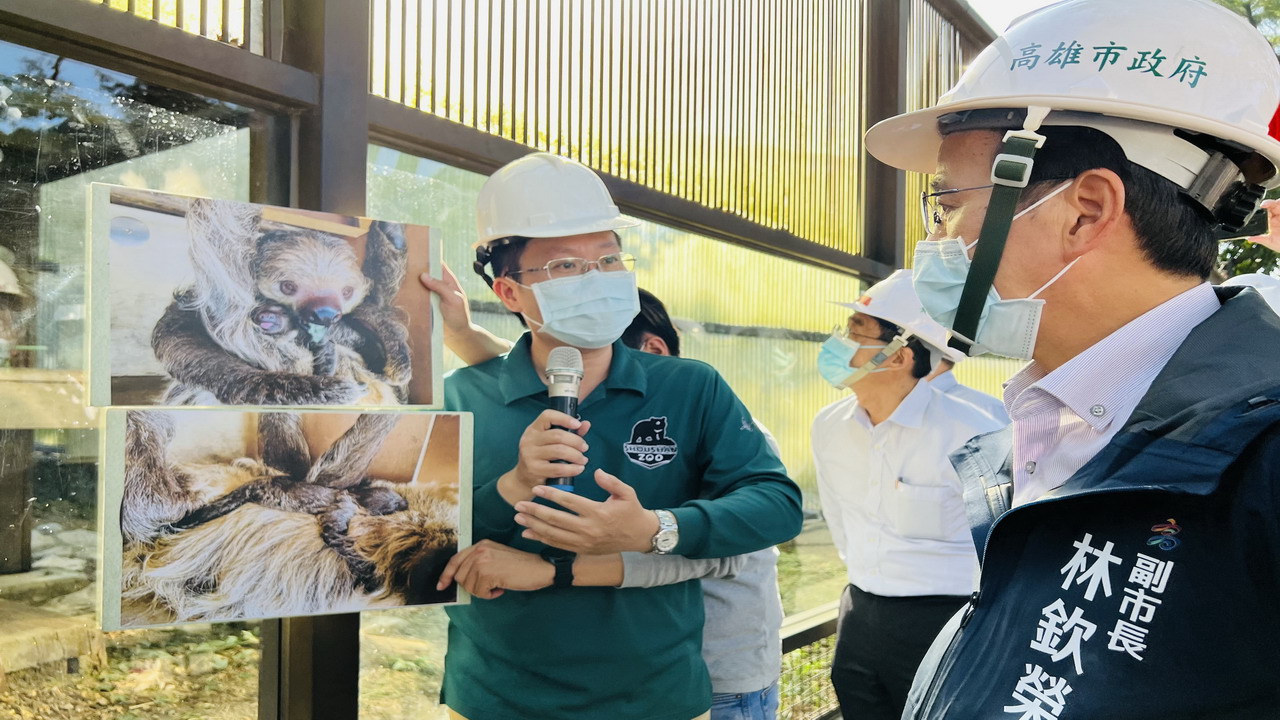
column 564, row 376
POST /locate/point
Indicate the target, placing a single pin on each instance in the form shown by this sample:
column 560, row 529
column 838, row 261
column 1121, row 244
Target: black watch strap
column 562, row 560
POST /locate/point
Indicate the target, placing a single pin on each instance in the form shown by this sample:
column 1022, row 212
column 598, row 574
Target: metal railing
column 808, row 645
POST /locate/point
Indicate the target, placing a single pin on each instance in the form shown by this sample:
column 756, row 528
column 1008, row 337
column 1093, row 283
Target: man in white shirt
column 1129, row 518
column 890, row 497
column 945, row 380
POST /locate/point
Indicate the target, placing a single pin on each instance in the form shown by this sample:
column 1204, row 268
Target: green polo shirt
column 670, row 428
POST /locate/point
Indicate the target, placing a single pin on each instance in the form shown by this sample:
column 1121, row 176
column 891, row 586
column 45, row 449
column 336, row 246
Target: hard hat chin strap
column 1010, row 174
column 898, row 342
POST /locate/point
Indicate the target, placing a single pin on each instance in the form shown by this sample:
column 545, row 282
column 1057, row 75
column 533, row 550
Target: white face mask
column 587, row 311
column 1007, row 327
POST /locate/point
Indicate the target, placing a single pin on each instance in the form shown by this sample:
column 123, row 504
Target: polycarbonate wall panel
column 754, row 108
column 235, row 22
column 936, row 55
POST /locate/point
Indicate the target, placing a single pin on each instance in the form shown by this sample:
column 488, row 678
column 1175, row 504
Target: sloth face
column 313, row 274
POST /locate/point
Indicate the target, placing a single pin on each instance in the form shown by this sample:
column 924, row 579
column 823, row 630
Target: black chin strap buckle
column 1010, row 173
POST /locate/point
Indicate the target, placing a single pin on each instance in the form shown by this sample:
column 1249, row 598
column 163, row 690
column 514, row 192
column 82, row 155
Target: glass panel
column 764, row 343
column 64, row 124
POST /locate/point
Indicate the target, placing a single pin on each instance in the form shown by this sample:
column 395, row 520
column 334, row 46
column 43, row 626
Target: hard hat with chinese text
column 1172, row 81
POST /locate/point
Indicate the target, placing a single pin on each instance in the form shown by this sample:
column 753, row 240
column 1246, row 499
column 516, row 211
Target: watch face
column 666, row 541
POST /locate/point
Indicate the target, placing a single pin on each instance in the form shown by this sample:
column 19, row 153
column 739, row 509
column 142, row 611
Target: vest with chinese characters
column 1148, row 585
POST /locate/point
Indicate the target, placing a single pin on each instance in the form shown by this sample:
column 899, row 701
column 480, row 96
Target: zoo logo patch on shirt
column 650, row 447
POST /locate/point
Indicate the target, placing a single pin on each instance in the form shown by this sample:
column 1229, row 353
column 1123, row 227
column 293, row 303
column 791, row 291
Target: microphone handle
column 568, row 405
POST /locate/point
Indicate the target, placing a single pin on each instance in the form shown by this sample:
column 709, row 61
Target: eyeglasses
column 843, row 331
column 931, row 211
column 571, row 266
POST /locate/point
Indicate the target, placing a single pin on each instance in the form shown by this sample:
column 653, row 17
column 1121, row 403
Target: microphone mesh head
column 565, row 360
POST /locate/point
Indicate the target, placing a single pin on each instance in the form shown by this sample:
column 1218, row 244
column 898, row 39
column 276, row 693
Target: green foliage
column 1238, row 256
column 1262, row 14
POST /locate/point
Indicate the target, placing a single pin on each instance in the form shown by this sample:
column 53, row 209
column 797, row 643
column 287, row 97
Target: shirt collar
column 945, row 381
column 518, row 379
column 1103, row 377
column 909, row 413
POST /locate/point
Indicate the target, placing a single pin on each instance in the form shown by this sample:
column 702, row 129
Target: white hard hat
column 9, row 281
column 1137, row 70
column 544, row 195
column 1268, row 286
column 894, row 300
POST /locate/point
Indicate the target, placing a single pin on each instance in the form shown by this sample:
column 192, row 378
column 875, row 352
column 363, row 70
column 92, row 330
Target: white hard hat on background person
column 1164, row 78
column 1268, row 286
column 9, row 281
column 544, row 195
column 894, row 300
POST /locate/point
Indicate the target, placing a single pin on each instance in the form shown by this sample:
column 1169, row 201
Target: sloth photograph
column 215, row 302
column 233, row 514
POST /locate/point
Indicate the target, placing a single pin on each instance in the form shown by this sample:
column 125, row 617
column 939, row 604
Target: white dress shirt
column 1063, row 418
column 890, row 496
column 991, row 405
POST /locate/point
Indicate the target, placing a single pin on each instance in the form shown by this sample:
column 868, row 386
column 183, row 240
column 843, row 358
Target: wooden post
column 15, row 493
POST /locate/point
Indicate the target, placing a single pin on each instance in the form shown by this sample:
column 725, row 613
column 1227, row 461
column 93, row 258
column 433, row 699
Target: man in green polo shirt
column 714, row 488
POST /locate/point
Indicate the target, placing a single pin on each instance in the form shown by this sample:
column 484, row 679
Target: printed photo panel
column 220, row 514
column 195, row 301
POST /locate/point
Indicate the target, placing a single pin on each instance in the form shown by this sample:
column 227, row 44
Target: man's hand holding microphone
column 552, row 451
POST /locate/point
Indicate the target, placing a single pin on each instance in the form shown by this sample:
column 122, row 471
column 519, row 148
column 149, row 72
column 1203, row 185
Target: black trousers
column 879, row 644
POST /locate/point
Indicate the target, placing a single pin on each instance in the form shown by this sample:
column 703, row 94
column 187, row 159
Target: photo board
column 214, row 514
column 195, row 301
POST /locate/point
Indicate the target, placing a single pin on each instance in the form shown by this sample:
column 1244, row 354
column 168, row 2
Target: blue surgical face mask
column 834, row 358
column 1007, row 327
column 588, row 311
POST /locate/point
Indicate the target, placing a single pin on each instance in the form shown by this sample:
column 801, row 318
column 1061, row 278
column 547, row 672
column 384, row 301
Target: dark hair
column 1174, row 232
column 923, row 364
column 504, row 256
column 653, row 318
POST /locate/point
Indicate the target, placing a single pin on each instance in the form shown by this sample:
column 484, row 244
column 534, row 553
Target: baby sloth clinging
column 285, row 316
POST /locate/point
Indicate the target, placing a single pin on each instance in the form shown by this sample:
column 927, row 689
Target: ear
column 1097, row 211
column 655, row 345
column 904, row 358
column 508, row 292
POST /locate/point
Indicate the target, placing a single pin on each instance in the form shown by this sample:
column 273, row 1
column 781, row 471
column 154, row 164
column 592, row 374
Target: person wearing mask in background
column 889, row 495
column 1129, row 518
column 741, row 641
column 584, row 648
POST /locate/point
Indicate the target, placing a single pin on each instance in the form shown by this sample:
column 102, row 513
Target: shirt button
column 1098, row 410
column 1031, row 467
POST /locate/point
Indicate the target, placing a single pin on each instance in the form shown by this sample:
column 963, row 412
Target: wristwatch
column 668, row 535
column 562, row 561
